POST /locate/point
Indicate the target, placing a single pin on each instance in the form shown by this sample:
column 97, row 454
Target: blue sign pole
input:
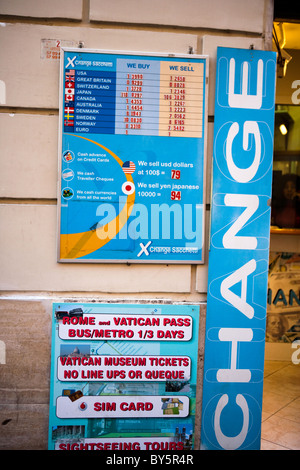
column 239, row 249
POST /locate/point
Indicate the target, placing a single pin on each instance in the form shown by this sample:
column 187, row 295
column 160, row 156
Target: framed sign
column 123, row 377
column 239, row 249
column 131, row 157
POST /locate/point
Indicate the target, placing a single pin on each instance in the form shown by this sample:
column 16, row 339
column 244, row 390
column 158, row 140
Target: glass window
column 286, row 168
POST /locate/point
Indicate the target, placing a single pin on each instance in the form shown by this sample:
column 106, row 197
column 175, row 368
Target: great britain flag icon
column 128, row 167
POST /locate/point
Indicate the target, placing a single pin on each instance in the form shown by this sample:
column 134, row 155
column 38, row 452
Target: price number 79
column 175, row 174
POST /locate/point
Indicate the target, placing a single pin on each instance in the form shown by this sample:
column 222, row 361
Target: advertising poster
column 283, row 319
column 239, row 249
column 123, row 377
column 131, row 157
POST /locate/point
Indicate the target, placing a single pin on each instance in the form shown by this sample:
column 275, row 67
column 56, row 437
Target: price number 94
column 175, row 195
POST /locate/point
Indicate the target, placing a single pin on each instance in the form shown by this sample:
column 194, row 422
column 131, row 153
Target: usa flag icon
column 128, row 167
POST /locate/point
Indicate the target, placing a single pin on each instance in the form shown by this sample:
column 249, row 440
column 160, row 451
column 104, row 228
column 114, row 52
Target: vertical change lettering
column 239, row 250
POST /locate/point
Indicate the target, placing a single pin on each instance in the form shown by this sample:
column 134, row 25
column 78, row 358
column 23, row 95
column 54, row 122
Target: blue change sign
column 239, row 249
column 131, row 157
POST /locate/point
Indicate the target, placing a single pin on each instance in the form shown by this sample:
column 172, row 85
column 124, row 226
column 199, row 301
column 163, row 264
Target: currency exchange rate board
column 131, row 157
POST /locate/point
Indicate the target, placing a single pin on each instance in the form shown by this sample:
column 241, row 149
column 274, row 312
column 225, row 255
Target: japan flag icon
column 69, row 91
column 128, row 188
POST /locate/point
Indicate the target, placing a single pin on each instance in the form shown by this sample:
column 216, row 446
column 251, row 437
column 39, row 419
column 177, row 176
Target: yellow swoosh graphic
column 76, row 245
